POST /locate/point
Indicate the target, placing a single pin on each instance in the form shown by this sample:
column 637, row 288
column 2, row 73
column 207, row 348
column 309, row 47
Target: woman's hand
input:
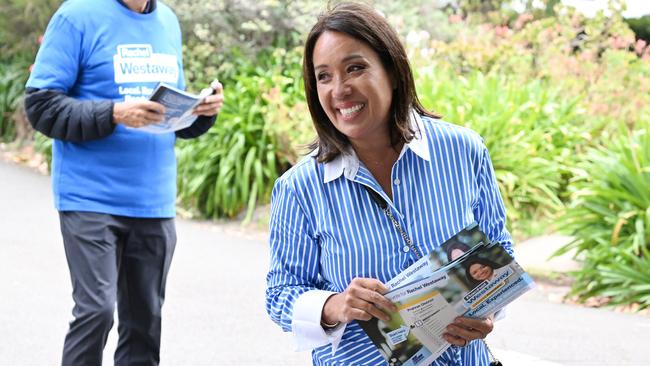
column 213, row 102
column 463, row 330
column 362, row 300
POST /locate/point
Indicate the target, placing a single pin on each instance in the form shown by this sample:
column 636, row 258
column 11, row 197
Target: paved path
column 214, row 313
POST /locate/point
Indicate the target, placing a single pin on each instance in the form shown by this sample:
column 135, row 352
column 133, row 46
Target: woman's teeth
column 346, row 112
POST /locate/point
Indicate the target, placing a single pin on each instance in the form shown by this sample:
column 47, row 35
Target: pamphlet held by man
column 466, row 276
column 178, row 108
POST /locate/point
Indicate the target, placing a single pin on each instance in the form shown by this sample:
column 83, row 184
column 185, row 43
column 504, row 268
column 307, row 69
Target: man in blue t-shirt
column 114, row 185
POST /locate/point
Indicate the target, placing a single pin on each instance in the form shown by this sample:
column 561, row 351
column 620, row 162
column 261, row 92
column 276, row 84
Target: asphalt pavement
column 214, row 313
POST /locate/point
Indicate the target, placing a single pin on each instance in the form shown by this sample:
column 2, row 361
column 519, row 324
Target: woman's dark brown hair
column 365, row 24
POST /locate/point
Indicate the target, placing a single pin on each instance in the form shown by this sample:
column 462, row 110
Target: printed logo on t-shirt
column 136, row 63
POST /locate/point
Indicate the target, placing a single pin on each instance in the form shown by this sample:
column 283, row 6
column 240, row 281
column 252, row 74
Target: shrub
column 610, row 219
column 21, row 24
column 235, row 164
column 12, row 87
column 640, row 26
column 530, row 129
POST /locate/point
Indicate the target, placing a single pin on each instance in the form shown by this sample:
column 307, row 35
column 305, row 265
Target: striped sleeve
column 294, row 255
column 489, row 211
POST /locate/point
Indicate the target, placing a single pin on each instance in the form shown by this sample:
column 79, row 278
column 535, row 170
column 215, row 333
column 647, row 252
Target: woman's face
column 353, row 87
column 480, row 272
column 455, row 253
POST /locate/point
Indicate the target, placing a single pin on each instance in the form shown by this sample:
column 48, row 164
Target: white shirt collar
column 347, row 163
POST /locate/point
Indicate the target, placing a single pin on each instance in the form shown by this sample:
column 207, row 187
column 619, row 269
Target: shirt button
column 406, row 249
column 397, row 181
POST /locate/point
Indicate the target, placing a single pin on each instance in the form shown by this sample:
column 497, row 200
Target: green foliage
column 235, row 164
column 21, row 24
column 43, row 146
column 12, row 87
column 586, row 58
column 530, row 129
column 610, row 219
column 247, row 25
column 640, row 27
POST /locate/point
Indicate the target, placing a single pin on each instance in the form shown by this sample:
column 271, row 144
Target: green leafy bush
column 640, row 26
column 21, row 24
column 43, row 146
column 235, row 164
column 587, row 58
column 610, row 219
column 530, row 129
column 12, row 86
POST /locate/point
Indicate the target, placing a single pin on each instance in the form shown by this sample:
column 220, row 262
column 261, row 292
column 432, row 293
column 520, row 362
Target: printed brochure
column 466, row 276
column 178, row 108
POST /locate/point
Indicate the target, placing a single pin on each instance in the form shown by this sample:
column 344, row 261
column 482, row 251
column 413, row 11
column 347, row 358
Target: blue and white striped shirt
column 325, row 229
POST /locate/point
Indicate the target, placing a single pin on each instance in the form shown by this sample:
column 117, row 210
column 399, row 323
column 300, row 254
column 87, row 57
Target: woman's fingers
column 366, row 309
column 373, row 297
column 455, row 340
column 463, row 330
column 370, row 284
column 481, row 326
column 372, row 290
column 363, row 300
column 465, row 333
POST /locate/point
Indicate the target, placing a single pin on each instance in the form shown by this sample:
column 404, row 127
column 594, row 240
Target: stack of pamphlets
column 179, row 106
column 466, row 276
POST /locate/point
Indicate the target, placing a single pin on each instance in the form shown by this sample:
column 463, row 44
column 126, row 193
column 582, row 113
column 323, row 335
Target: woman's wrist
column 326, row 320
column 328, row 325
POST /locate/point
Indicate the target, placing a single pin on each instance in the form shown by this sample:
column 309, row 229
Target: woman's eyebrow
column 347, row 58
column 352, row 57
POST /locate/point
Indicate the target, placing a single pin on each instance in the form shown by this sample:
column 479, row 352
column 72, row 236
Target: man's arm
column 59, row 116
column 198, row 128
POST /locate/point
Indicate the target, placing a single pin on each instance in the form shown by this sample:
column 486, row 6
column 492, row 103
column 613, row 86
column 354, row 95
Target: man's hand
column 138, row 113
column 213, row 102
column 362, row 300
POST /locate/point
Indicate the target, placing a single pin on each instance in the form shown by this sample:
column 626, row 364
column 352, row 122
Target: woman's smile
column 349, row 113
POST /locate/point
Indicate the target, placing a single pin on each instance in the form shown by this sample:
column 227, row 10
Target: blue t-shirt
column 100, row 50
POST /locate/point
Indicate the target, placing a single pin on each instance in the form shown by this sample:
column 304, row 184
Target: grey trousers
column 116, row 259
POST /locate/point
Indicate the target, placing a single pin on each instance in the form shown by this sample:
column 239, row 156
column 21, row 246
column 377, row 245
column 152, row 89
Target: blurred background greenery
column 561, row 99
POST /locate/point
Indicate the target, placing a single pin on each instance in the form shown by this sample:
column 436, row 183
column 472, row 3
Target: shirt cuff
column 305, row 325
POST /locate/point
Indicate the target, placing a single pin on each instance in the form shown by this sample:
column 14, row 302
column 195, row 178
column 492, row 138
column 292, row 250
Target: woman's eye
column 353, row 68
column 322, row 76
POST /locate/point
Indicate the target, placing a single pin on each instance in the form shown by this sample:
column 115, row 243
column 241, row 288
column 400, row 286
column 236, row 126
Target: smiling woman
column 353, row 88
column 332, row 247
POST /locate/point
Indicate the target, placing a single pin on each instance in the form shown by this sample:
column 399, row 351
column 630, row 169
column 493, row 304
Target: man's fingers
column 152, row 106
column 216, row 86
column 208, row 107
column 213, row 99
column 152, row 117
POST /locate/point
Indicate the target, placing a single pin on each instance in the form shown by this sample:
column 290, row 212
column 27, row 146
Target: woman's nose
column 342, row 88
